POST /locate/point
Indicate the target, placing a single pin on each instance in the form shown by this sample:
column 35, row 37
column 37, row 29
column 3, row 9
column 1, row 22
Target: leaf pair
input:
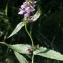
column 42, row 51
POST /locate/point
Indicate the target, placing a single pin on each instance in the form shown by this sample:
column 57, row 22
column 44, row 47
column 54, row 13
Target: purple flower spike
column 27, row 8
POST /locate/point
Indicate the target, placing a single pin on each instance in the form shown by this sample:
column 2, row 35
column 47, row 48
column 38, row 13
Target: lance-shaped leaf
column 21, row 48
column 18, row 27
column 42, row 51
column 20, row 58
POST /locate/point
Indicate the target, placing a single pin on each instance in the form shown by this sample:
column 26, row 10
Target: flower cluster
column 26, row 9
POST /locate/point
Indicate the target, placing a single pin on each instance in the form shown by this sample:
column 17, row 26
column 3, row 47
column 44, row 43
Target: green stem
column 31, row 41
column 29, row 35
column 32, row 58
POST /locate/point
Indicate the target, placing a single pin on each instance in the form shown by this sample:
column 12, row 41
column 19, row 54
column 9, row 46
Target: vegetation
column 46, row 31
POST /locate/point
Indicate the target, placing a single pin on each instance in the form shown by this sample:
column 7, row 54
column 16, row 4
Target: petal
column 21, row 12
column 29, row 9
column 26, row 15
column 23, row 6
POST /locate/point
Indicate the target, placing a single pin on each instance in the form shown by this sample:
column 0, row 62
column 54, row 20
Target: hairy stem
column 29, row 35
column 31, row 41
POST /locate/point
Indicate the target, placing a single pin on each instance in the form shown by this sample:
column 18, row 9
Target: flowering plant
column 28, row 10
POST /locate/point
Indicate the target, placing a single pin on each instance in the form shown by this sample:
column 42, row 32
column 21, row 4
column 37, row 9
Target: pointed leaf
column 20, row 58
column 21, row 48
column 18, row 27
column 42, row 51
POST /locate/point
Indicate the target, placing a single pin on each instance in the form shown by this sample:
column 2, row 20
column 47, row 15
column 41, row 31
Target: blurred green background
column 47, row 31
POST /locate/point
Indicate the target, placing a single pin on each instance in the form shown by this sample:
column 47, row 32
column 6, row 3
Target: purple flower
column 24, row 5
column 29, row 9
column 28, row 47
column 26, row 15
column 21, row 11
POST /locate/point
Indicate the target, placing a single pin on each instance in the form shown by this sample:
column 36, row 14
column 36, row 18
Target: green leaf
column 36, row 15
column 21, row 48
column 42, row 51
column 20, row 58
column 18, row 27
